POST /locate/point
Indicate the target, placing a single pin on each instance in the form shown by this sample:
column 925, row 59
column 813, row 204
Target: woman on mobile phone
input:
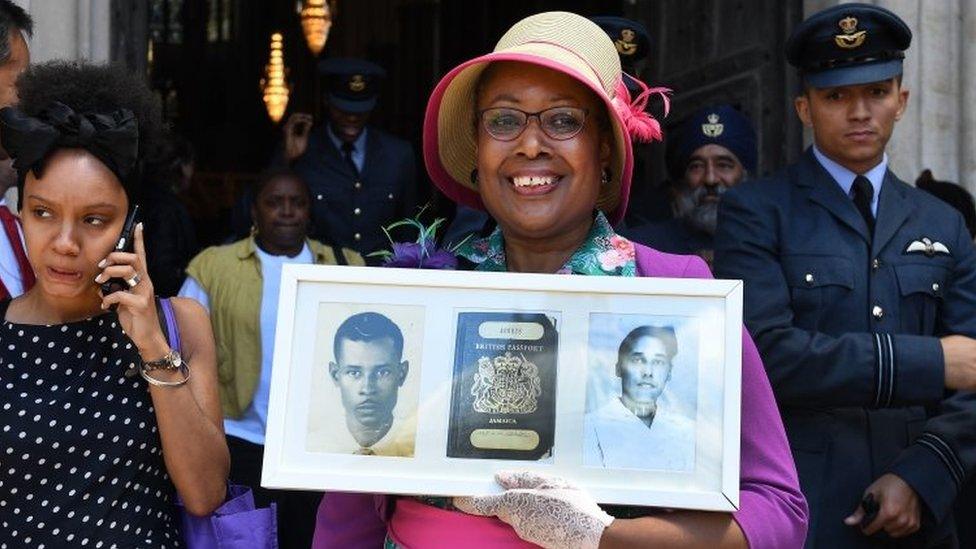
column 95, row 455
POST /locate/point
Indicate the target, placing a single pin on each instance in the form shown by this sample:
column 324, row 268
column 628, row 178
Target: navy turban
column 718, row 125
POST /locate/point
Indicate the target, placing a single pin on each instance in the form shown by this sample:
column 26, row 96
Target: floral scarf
column 603, row 253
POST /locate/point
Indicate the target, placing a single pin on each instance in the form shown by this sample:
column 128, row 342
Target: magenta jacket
column 772, row 511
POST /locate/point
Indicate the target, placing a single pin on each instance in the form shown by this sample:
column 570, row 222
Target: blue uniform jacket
column 848, row 329
column 349, row 211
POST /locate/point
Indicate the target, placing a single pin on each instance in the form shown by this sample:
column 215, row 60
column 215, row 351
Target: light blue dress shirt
column 253, row 422
column 845, row 178
column 359, row 146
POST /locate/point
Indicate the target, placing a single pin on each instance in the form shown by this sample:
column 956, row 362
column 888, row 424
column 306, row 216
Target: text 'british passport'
column 504, row 386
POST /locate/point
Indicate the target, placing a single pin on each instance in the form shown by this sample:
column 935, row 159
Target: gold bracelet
column 183, row 367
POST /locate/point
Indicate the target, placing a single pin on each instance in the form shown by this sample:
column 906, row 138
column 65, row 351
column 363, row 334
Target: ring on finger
column 133, row 280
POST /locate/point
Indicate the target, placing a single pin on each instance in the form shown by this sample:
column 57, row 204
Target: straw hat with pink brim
column 561, row 41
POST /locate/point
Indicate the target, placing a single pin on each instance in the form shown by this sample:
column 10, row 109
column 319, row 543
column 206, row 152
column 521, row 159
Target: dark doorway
column 205, row 58
column 728, row 51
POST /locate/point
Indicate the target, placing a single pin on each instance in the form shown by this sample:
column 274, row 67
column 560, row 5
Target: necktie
column 347, row 150
column 13, row 235
column 863, row 193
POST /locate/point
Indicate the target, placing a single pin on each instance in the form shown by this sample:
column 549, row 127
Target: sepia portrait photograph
column 641, row 392
column 365, row 381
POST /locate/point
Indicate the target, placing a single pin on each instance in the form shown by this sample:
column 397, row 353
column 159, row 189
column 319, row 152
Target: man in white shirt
column 369, row 370
column 636, row 431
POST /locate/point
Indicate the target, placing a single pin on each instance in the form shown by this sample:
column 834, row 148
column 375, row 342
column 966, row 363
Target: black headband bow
column 112, row 138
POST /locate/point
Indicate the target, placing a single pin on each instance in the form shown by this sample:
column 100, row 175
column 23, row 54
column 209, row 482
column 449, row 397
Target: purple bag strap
column 172, row 329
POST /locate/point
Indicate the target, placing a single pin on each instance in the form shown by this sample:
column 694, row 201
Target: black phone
column 871, row 508
column 124, row 244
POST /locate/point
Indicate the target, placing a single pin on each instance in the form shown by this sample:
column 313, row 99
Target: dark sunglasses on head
column 507, row 123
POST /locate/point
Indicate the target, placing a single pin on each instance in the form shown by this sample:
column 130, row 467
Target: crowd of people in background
column 858, row 411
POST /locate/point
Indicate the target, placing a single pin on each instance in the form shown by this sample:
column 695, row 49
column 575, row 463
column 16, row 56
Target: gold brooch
column 852, row 37
column 625, row 44
column 713, row 128
column 357, row 83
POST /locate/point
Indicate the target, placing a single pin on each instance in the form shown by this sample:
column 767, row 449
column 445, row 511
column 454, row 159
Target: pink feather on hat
column 641, row 126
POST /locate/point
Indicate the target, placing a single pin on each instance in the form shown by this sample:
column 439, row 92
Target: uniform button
column 877, row 312
column 808, row 279
column 390, row 196
column 875, row 264
column 318, row 197
column 357, row 211
column 357, row 185
column 936, row 287
column 357, row 236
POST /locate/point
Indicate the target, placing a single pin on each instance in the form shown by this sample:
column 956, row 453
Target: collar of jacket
column 894, row 207
column 247, row 247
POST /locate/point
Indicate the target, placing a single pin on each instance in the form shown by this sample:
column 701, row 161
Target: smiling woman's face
column 537, row 187
column 72, row 217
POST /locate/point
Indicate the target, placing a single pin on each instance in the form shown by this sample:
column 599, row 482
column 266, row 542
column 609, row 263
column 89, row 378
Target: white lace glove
column 544, row 510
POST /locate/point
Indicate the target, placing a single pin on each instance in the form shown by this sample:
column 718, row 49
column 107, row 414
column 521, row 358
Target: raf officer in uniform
column 361, row 178
column 860, row 292
column 711, row 152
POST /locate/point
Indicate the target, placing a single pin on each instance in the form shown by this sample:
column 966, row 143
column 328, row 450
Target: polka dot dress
column 80, row 458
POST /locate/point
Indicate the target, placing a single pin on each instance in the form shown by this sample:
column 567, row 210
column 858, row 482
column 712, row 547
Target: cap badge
column 713, row 128
column 625, row 44
column 852, row 37
column 357, row 83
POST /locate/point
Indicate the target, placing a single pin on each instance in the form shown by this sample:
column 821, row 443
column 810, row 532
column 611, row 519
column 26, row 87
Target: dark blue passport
column 504, row 386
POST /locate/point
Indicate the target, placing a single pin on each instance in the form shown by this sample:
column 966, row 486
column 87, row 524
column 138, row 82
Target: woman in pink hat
column 538, row 133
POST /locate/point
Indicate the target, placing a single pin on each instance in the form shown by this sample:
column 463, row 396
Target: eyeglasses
column 559, row 123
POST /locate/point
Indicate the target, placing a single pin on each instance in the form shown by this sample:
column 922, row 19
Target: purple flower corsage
column 422, row 254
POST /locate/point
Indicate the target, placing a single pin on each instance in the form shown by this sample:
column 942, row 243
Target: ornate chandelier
column 273, row 85
column 316, row 22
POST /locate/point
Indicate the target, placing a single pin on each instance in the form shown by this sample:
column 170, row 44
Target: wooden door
column 721, row 51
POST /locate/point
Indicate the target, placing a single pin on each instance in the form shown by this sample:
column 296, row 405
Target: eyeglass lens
column 559, row 123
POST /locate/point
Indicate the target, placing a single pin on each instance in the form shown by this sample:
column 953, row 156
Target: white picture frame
column 587, row 314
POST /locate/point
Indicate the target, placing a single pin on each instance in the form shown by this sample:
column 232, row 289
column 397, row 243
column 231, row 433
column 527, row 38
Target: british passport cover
column 504, row 386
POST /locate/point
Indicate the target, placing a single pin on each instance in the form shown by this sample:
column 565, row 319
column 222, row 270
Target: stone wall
column 69, row 29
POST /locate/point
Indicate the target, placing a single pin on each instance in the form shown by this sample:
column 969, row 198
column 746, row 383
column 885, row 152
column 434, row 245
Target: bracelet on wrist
column 171, row 362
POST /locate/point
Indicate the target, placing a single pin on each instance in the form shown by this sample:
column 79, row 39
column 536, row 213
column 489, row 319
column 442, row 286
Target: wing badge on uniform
column 928, row 247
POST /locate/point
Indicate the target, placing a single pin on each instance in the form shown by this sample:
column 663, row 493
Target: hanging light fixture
column 316, row 22
column 273, row 85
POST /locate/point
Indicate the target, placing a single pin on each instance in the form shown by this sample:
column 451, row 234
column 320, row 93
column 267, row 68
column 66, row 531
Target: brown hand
column 296, row 129
column 136, row 306
column 900, row 513
column 960, row 362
